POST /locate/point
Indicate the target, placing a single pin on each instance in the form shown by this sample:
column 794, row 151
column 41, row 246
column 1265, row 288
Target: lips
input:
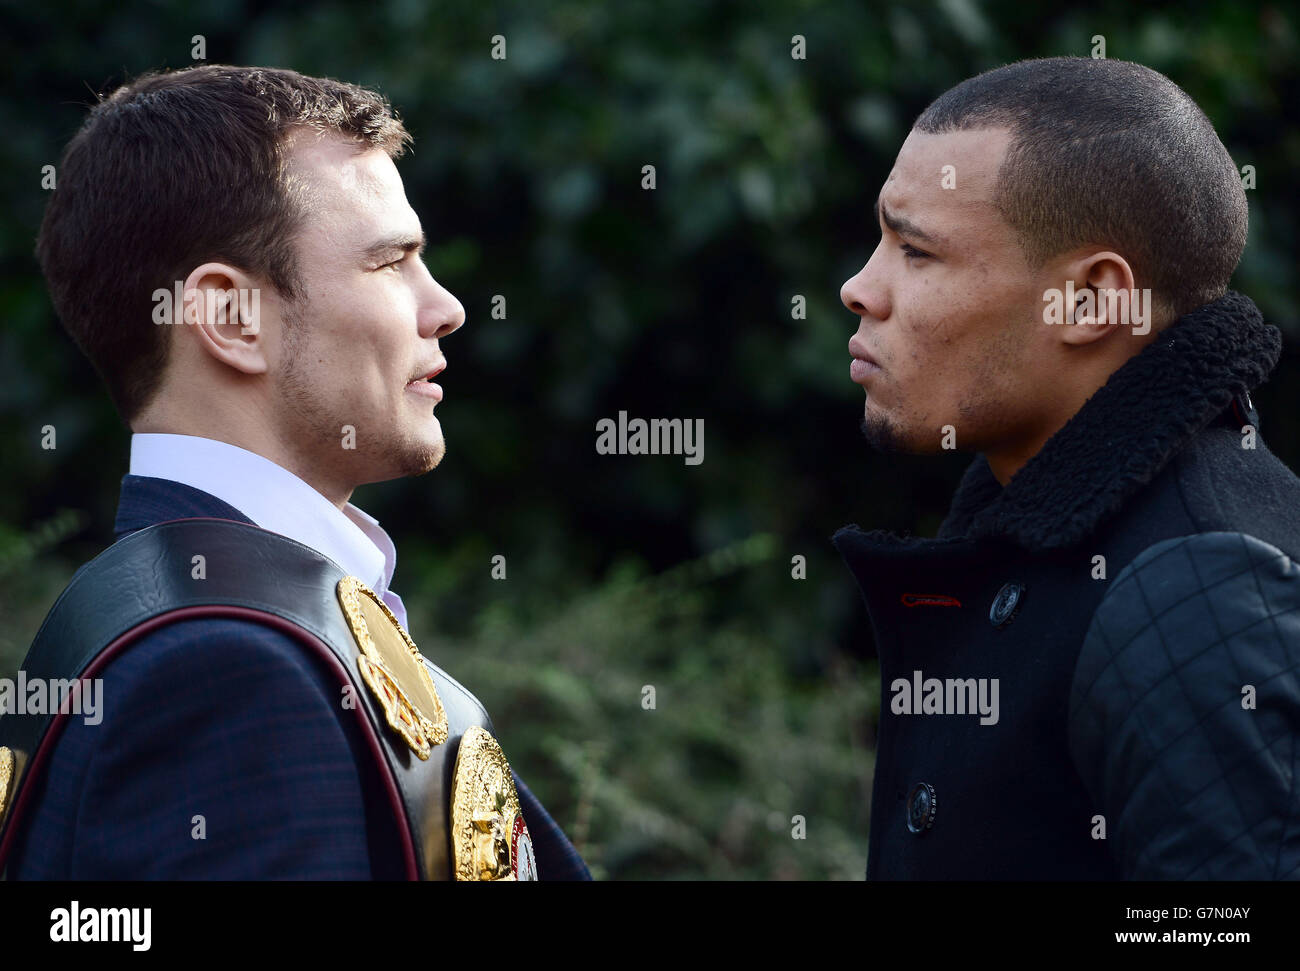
column 424, row 386
column 863, row 365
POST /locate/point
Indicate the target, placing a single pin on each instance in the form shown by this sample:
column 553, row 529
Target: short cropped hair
column 1109, row 153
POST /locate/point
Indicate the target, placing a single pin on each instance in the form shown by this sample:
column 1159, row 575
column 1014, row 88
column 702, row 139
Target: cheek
column 945, row 345
column 369, row 344
column 931, row 331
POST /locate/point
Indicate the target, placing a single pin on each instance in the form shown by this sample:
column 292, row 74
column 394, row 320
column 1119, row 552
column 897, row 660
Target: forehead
column 361, row 190
column 945, row 182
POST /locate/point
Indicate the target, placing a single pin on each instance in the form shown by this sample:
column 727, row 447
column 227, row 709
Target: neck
column 251, row 439
column 1005, row 464
column 1076, row 378
column 1007, row 458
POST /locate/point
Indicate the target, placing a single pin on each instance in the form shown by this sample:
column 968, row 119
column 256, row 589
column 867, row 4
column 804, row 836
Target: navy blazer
column 232, row 762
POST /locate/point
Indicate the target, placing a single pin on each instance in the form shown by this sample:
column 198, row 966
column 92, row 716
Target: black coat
column 1156, row 704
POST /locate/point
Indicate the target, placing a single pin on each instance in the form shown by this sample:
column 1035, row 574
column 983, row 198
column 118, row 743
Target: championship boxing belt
column 446, row 779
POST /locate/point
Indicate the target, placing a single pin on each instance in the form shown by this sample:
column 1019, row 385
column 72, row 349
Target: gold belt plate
column 489, row 837
column 8, row 767
column 393, row 669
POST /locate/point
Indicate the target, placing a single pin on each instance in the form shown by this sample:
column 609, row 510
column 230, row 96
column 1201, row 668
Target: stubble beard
column 318, row 421
column 882, row 434
column 315, row 422
column 424, row 458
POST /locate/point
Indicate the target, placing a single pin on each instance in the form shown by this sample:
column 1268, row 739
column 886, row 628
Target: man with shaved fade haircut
column 1117, row 573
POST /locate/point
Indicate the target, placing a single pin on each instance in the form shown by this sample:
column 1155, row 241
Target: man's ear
column 1104, row 299
column 221, row 309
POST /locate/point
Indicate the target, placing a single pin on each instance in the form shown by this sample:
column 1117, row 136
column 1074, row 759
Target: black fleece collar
column 1124, row 434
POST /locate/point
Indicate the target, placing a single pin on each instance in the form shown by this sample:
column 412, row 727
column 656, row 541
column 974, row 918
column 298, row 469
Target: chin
column 884, row 435
column 424, row 458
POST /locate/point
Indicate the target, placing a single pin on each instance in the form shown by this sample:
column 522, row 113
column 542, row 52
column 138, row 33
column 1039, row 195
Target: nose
column 441, row 314
column 849, row 294
column 863, row 293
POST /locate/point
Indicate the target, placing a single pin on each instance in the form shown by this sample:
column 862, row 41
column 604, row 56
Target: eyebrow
column 905, row 227
column 404, row 242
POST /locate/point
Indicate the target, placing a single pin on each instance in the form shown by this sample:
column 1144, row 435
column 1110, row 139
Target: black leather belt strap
column 251, row 573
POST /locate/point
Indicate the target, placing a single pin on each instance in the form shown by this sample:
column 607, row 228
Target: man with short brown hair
column 234, row 251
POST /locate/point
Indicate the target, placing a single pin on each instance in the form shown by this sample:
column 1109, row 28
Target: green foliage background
column 526, row 174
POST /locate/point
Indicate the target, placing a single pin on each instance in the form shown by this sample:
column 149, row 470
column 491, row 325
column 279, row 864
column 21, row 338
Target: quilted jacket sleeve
column 1185, row 711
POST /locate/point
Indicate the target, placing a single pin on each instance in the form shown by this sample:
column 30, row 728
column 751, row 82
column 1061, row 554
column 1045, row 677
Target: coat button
column 1005, row 603
column 921, row 806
